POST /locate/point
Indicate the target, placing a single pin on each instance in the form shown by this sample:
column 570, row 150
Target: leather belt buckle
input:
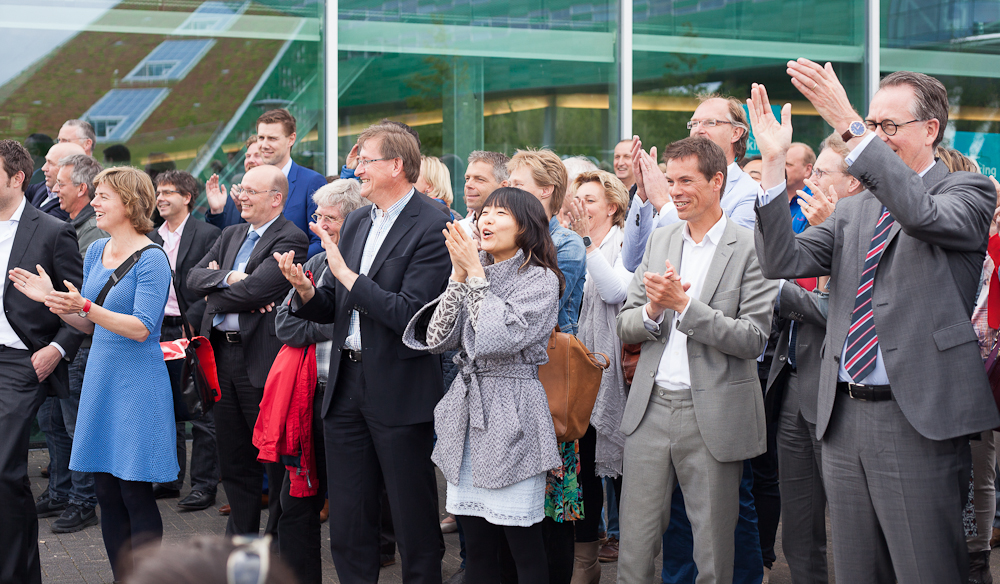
column 353, row 355
column 858, row 391
column 233, row 337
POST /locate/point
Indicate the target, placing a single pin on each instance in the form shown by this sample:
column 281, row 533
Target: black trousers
column 360, row 452
column 299, row 527
column 593, row 489
column 483, row 543
column 766, row 494
column 235, row 416
column 558, row 542
column 20, row 397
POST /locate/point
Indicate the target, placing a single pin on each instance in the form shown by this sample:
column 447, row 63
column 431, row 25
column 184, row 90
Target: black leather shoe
column 47, row 507
column 74, row 519
column 196, row 501
column 162, row 492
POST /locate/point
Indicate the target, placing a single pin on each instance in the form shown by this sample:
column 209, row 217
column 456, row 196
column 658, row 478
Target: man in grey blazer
column 902, row 384
column 701, row 309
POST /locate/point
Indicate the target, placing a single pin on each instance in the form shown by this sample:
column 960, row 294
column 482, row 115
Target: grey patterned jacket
column 496, row 399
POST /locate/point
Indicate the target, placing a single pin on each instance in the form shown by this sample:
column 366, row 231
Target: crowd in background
column 790, row 335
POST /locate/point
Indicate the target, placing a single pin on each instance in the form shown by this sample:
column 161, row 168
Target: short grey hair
column 577, row 165
column 85, row 168
column 344, row 193
column 497, row 160
column 84, row 128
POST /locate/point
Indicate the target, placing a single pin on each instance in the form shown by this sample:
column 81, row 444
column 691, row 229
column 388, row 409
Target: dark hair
column 278, row 116
column 183, row 182
column 748, row 159
column 39, row 144
column 533, row 235
column 16, row 159
column 117, row 153
column 930, row 97
column 711, row 158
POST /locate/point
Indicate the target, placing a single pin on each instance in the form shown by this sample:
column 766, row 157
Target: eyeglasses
column 167, row 192
column 317, row 218
column 821, row 173
column 362, row 163
column 888, row 126
column 706, row 123
column 240, row 189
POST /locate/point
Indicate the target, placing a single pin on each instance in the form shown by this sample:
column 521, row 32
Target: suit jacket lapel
column 293, row 175
column 185, row 245
column 234, row 246
column 399, row 228
column 261, row 245
column 360, row 238
column 870, row 212
column 22, row 238
column 675, row 248
column 720, row 259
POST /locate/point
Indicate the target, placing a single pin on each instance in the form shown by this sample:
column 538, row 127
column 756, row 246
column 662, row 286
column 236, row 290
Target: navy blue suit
column 302, row 183
column 37, row 195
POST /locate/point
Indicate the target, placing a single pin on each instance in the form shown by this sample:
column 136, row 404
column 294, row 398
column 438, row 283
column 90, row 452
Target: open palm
column 773, row 137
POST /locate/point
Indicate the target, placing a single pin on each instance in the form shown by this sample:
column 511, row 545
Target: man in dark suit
column 40, row 195
column 902, row 384
column 186, row 242
column 240, row 277
column 35, row 346
column 275, row 137
column 380, row 396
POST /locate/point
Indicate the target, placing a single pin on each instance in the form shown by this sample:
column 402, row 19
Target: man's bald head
column 57, row 153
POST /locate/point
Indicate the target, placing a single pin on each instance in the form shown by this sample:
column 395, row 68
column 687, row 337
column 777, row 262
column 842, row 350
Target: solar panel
column 170, row 60
column 118, row 114
column 212, row 16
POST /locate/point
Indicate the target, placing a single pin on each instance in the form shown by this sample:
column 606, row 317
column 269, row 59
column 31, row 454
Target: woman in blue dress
column 125, row 426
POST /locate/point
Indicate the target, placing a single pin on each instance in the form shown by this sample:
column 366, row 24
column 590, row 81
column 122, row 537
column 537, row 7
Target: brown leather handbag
column 571, row 379
column 630, row 360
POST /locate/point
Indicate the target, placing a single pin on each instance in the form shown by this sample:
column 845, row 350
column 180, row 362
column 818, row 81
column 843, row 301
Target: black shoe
column 197, row 501
column 385, row 560
column 457, row 578
column 162, row 492
column 75, row 518
column 47, row 507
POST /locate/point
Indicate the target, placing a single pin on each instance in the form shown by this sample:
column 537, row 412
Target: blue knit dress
column 125, row 425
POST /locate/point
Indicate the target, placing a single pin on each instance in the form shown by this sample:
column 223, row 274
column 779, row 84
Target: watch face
column 857, row 128
column 587, row 241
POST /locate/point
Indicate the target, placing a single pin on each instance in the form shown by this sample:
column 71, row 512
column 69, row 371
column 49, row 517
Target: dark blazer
column 44, row 240
column 795, row 304
column 37, row 195
column 302, row 183
column 196, row 240
column 925, row 285
column 264, row 285
column 411, row 269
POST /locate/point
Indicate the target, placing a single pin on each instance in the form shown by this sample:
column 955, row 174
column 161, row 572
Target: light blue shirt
column 382, row 222
column 879, row 376
column 231, row 322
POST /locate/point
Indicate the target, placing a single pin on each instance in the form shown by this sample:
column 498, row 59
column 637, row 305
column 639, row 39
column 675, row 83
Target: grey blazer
column 727, row 328
column 924, row 292
column 802, row 307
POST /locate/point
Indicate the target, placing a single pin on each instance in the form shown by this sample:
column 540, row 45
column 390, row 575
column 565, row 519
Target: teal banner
column 982, row 147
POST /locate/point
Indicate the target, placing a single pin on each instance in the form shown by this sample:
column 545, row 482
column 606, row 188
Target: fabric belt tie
column 471, row 392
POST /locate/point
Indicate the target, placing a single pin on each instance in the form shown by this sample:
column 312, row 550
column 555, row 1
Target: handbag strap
column 127, row 266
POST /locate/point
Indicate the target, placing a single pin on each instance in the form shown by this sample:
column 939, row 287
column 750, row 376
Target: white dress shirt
column 382, row 222
column 287, row 167
column 231, row 322
column 674, row 371
column 879, row 376
column 8, row 229
column 171, row 243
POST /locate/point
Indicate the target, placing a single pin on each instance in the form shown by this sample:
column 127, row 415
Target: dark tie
column 862, row 341
column 792, row 338
column 242, row 257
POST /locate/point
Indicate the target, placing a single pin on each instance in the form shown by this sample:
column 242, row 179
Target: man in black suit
column 40, row 195
column 186, row 242
column 34, row 347
column 380, row 395
column 240, row 277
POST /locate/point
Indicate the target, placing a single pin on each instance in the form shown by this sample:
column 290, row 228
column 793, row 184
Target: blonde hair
column 614, row 190
column 955, row 160
column 439, row 177
column 547, row 170
column 136, row 191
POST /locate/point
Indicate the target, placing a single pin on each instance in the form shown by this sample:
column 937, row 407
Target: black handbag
column 190, row 361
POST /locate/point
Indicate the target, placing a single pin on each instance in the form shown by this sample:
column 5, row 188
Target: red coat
column 284, row 425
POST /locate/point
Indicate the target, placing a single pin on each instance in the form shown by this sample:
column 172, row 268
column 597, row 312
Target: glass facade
column 180, row 82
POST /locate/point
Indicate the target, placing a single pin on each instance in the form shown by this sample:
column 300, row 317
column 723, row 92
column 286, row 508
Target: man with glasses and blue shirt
column 240, row 277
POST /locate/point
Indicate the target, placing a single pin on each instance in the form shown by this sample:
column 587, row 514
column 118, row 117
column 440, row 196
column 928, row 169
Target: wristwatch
column 855, row 130
column 587, row 242
column 86, row 310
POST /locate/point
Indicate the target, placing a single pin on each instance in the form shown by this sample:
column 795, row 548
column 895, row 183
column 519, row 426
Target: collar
column 263, row 228
column 164, row 229
column 714, row 234
column 16, row 217
column 554, row 223
column 926, row 170
column 393, row 211
column 609, row 237
column 287, row 167
column 733, row 175
column 86, row 213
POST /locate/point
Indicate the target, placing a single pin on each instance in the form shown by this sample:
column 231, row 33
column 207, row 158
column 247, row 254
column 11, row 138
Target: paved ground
column 80, row 557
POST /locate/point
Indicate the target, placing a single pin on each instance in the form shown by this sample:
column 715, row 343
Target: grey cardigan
column 496, row 400
column 298, row 332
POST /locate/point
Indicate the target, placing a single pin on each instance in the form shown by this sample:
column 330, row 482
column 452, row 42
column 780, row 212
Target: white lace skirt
column 519, row 505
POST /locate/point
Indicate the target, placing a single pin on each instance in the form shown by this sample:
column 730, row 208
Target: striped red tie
column 862, row 341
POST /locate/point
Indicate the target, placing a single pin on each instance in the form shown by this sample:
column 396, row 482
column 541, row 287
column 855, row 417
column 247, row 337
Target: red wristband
column 86, row 306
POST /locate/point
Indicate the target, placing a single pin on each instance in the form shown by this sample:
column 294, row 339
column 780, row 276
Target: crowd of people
column 766, row 367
